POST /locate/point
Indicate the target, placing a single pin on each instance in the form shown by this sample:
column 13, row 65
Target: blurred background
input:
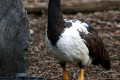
column 103, row 15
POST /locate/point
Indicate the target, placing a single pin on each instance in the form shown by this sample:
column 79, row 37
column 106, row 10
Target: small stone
column 31, row 31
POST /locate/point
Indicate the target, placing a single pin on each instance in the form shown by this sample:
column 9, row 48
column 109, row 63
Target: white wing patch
column 78, row 25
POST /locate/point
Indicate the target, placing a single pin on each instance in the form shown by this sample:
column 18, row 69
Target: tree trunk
column 13, row 38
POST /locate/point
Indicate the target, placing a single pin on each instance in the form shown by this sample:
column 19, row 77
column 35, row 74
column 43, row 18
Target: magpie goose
column 73, row 41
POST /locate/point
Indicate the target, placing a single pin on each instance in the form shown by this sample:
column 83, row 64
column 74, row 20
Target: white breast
column 71, row 47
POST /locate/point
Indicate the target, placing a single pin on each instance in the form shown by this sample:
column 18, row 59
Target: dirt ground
column 42, row 64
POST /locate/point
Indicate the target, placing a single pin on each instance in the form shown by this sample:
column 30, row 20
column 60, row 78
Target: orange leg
column 65, row 75
column 81, row 77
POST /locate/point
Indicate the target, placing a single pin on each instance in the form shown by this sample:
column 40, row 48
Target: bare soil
column 42, row 64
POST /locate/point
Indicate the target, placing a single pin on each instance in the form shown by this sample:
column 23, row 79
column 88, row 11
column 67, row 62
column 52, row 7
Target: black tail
column 106, row 64
column 103, row 61
column 106, row 61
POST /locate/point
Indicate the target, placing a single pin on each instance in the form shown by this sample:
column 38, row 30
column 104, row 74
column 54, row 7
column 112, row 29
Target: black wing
column 96, row 48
